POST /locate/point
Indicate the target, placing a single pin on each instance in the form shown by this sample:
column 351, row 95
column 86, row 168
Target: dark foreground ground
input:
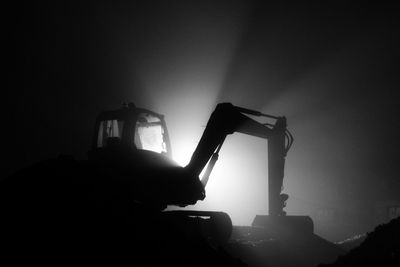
column 257, row 248
column 50, row 223
column 380, row 247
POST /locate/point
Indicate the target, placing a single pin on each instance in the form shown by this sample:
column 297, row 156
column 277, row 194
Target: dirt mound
column 380, row 248
column 257, row 248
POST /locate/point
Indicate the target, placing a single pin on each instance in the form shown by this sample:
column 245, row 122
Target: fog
column 330, row 69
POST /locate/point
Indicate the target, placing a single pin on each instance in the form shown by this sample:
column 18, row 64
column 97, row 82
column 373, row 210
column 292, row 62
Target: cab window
column 149, row 133
column 109, row 130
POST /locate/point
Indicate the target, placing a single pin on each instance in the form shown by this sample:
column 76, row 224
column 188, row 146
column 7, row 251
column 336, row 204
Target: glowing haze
column 311, row 69
column 331, row 70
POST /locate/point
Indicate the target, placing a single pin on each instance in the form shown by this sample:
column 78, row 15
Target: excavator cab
column 133, row 144
column 132, row 127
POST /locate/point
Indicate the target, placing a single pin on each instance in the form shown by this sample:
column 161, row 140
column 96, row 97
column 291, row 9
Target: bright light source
column 182, row 154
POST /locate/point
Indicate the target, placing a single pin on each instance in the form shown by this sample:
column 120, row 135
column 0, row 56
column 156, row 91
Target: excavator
column 144, row 137
column 130, row 178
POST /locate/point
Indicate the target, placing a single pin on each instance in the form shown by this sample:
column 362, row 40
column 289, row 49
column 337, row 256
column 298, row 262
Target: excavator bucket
column 282, row 225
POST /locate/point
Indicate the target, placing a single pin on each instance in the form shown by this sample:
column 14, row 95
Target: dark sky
column 331, row 69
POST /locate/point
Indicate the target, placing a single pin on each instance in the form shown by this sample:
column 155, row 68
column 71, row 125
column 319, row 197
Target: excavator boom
column 227, row 119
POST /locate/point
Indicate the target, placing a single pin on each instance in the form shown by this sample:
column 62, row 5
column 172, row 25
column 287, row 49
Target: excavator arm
column 227, row 119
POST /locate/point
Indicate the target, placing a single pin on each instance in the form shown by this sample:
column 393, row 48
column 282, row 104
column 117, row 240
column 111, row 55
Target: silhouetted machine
column 134, row 142
column 112, row 206
column 110, row 209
